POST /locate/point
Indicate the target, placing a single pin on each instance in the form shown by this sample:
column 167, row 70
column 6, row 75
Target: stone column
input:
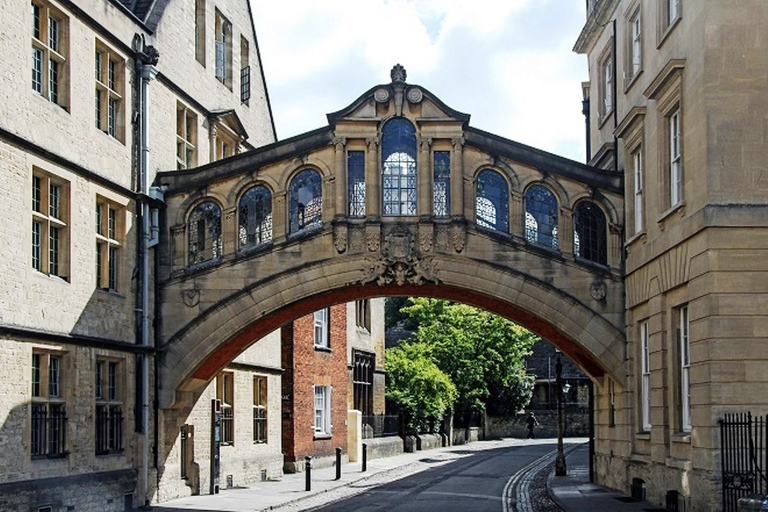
column 516, row 214
column 614, row 245
column 372, row 179
column 279, row 217
column 340, row 172
column 229, row 231
column 178, row 248
column 214, row 134
column 424, row 193
column 457, row 178
column 565, row 231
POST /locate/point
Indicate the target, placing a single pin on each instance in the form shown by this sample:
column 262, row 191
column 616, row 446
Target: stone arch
column 247, row 181
column 475, row 183
column 606, row 204
column 219, row 332
column 554, row 234
column 190, row 203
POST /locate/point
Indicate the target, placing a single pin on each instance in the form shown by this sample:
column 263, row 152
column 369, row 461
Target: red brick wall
column 305, row 366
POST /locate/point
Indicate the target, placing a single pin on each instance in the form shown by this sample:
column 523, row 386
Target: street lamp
column 560, row 466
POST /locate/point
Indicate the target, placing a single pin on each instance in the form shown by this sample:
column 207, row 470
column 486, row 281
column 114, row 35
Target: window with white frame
column 635, row 44
column 110, row 72
column 109, row 229
column 259, row 409
column 186, row 137
column 109, row 406
column 637, row 162
column 225, row 392
column 49, row 417
column 685, row 370
column 675, row 159
column 50, row 208
column 670, row 13
column 49, row 52
column 645, row 372
column 606, row 82
column 322, row 423
column 223, row 41
column 321, row 330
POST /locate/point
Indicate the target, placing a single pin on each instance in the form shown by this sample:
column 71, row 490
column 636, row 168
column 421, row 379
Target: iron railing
column 744, row 457
column 381, row 425
column 227, row 426
column 109, row 429
column 49, row 430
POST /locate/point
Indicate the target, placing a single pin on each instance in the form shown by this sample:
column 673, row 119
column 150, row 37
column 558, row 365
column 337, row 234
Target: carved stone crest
column 597, row 290
column 340, row 237
column 191, row 298
column 458, row 237
column 400, row 263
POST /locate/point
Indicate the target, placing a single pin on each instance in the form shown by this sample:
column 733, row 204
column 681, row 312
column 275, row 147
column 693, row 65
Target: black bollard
column 308, row 473
column 365, row 457
column 338, row 463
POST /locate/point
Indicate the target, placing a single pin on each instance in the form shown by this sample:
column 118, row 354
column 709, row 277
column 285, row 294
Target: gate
column 744, row 457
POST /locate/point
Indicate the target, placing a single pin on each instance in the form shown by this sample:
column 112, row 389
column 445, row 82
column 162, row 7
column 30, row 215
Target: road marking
column 509, row 502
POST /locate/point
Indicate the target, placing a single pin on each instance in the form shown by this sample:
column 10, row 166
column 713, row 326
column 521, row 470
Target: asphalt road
column 483, row 481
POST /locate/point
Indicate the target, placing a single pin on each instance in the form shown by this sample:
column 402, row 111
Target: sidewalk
column 574, row 492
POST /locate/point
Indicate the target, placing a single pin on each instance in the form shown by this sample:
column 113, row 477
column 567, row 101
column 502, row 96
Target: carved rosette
column 414, row 95
column 340, row 237
column 381, row 95
column 458, row 237
column 400, row 263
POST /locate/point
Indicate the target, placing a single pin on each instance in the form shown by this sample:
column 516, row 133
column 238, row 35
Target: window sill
column 603, row 118
column 113, row 293
column 643, row 436
column 640, row 235
column 322, row 436
column 321, row 348
column 682, row 438
column 666, row 31
column 630, row 81
column 679, row 207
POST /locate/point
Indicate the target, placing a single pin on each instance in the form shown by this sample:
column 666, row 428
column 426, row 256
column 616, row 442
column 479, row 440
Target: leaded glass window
column 255, row 217
column 356, row 183
column 442, row 183
column 204, row 228
column 306, row 201
column 398, row 165
column 590, row 228
column 492, row 203
column 541, row 217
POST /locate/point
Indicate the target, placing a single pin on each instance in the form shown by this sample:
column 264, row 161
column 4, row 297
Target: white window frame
column 645, row 369
column 321, row 330
column 322, row 410
column 635, row 43
column 685, row 370
column 637, row 159
column 186, row 137
column 675, row 158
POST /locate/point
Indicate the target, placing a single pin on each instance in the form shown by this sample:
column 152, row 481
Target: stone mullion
column 341, row 174
column 214, row 134
column 423, row 179
column 279, row 217
column 565, row 231
column 457, row 181
column 372, row 179
column 229, row 231
column 614, row 245
column 516, row 214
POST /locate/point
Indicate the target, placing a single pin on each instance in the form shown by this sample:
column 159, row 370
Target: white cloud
column 507, row 63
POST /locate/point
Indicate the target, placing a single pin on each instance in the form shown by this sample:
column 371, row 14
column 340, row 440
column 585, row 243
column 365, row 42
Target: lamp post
column 560, row 466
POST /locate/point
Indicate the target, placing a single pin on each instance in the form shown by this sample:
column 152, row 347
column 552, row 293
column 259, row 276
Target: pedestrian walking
column 531, row 422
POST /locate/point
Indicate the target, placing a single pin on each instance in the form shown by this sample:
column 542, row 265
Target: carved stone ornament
column 381, row 95
column 441, row 238
column 356, row 239
column 191, row 297
column 458, row 237
column 372, row 240
column 414, row 95
column 425, row 241
column 340, row 237
column 400, row 263
column 398, row 73
column 597, row 290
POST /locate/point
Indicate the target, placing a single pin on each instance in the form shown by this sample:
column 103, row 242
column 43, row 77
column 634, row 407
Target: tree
column 416, row 387
column 482, row 353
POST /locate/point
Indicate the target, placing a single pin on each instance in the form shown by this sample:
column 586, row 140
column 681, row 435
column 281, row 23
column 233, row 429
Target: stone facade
column 684, row 123
column 68, row 326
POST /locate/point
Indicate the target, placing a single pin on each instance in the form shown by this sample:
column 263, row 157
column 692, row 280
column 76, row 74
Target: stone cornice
column 596, row 21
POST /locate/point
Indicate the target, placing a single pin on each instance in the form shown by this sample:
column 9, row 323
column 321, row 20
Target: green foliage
column 393, row 316
column 482, row 353
column 416, row 386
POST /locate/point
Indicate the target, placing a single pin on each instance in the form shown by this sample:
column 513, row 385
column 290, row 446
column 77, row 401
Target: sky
column 509, row 64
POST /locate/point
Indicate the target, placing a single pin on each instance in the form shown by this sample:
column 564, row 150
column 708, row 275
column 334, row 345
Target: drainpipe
column 146, row 58
column 585, row 111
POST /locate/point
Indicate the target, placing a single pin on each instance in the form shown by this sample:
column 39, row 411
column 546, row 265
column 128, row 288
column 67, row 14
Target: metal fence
column 744, row 457
column 381, row 425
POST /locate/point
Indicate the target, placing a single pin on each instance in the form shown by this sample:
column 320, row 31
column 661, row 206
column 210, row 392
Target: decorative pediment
column 230, row 121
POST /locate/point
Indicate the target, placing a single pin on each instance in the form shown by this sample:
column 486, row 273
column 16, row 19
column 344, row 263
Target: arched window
column 306, row 201
column 204, row 233
column 255, row 217
column 492, row 204
column 541, row 217
column 398, row 164
column 589, row 233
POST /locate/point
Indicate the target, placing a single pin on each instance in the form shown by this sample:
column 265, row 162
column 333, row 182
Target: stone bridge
column 397, row 195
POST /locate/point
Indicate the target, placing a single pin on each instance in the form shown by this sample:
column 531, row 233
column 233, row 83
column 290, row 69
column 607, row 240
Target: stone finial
column 398, row 73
